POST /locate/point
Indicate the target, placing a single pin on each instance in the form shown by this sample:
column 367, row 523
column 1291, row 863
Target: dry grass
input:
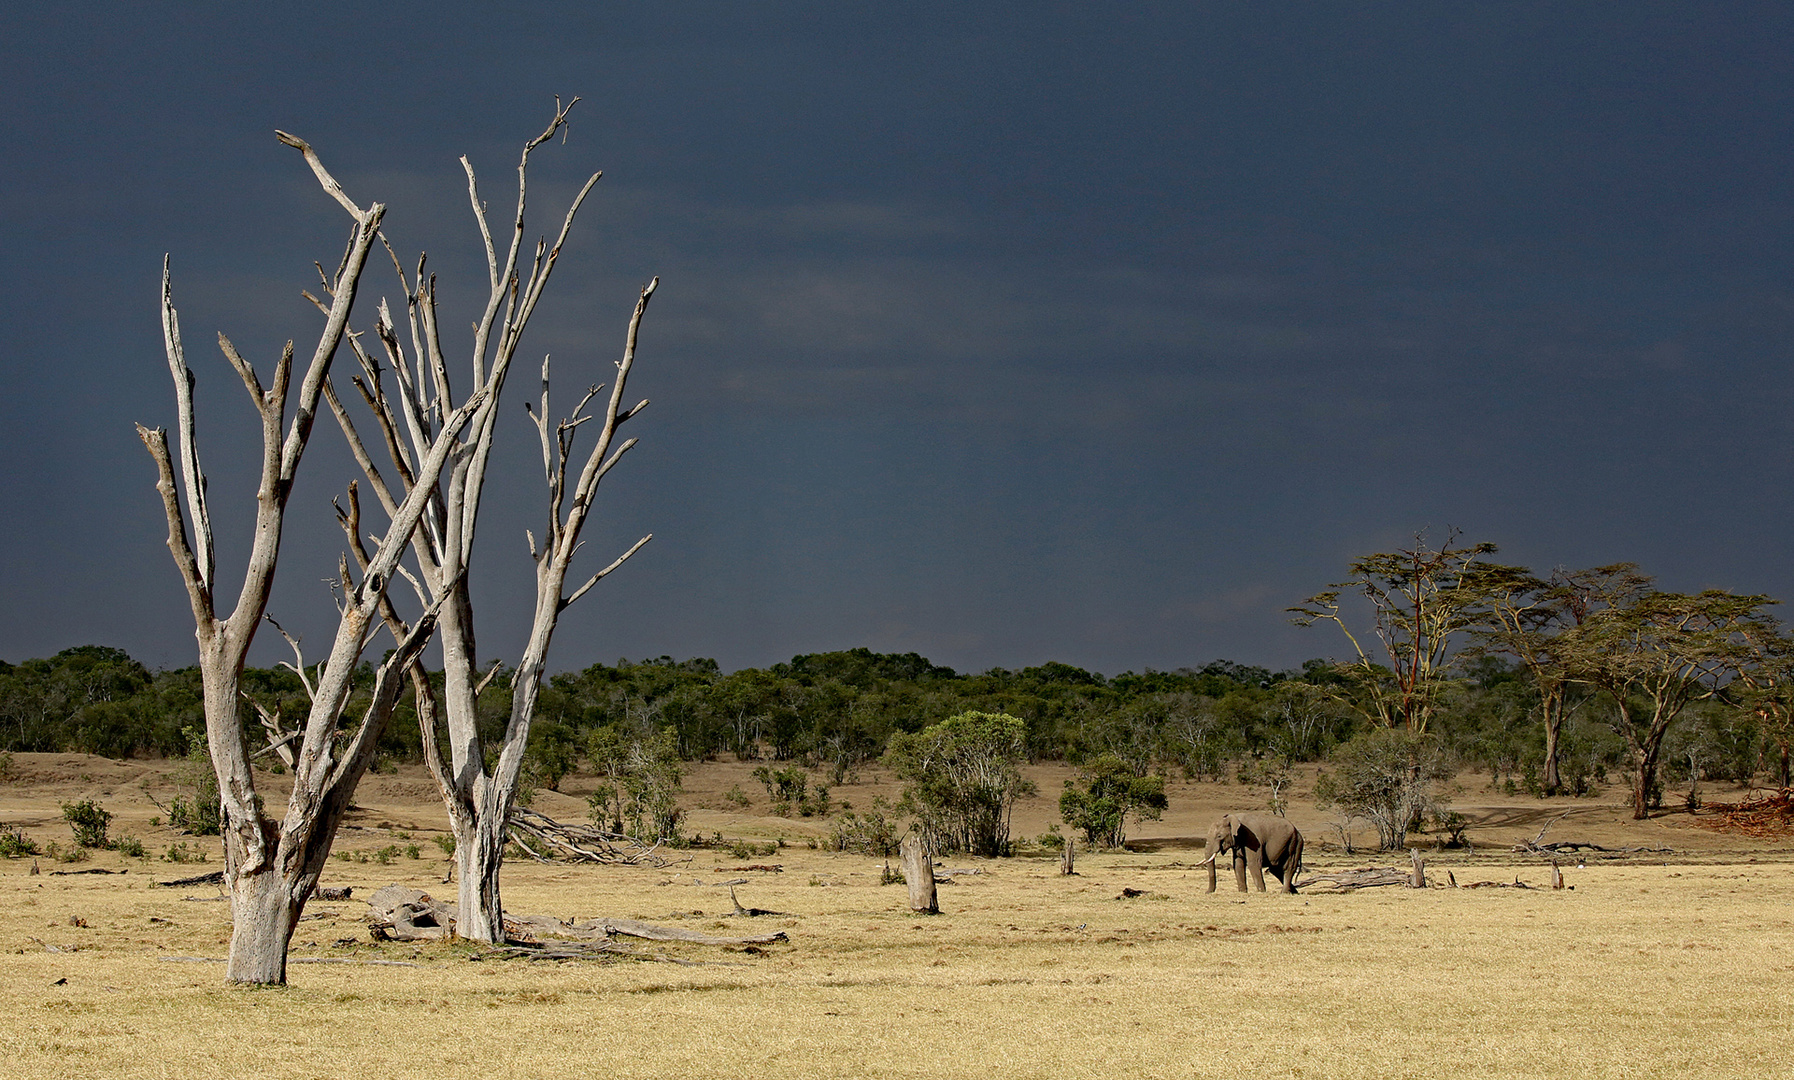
column 1641, row 970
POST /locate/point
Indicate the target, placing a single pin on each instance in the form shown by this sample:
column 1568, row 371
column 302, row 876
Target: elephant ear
column 1233, row 830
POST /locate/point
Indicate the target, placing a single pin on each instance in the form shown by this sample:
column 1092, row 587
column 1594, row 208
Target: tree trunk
column 479, row 855
column 1418, row 878
column 1553, row 782
column 1645, row 780
column 1069, row 858
column 918, row 874
column 264, row 911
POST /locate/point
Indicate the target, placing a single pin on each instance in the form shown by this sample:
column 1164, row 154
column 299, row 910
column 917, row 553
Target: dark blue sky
column 1000, row 333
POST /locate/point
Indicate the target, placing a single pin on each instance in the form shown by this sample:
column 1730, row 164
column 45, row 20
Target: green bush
column 446, row 841
column 182, row 852
column 963, row 777
column 790, row 791
column 870, row 834
column 1386, row 776
column 88, row 822
column 72, row 855
column 197, row 811
column 1111, row 791
column 15, row 844
column 131, row 846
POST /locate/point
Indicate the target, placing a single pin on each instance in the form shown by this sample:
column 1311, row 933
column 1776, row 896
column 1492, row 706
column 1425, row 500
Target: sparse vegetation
column 88, row 821
column 1109, row 792
column 182, row 852
column 14, row 844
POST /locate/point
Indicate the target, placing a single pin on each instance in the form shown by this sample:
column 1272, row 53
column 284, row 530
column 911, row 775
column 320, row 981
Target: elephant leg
column 1239, row 869
column 1255, row 860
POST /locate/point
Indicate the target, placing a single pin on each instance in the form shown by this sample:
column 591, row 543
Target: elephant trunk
column 1210, row 863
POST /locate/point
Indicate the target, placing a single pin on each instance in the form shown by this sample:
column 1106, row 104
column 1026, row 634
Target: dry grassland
column 1676, row 967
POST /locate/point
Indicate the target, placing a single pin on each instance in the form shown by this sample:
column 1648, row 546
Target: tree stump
column 918, row 874
column 1419, row 878
column 1069, row 857
column 1557, row 876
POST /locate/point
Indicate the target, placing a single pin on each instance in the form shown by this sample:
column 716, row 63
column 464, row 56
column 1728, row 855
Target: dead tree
column 272, row 864
column 918, row 875
column 479, row 795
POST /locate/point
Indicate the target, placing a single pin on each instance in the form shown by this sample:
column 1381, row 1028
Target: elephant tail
column 1296, row 866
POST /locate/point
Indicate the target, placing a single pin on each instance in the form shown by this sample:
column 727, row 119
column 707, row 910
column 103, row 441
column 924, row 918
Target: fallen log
column 650, row 932
column 397, row 913
column 216, row 877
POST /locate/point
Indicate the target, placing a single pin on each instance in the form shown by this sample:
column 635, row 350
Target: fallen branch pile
column 1368, row 877
column 1765, row 816
column 1537, row 846
column 544, row 839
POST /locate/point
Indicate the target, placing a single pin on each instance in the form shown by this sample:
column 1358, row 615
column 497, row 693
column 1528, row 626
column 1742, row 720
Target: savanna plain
column 1672, row 959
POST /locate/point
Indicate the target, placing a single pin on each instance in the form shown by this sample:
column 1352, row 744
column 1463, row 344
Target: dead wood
column 545, row 840
column 651, row 932
column 1368, row 877
column 602, row 951
column 1514, row 884
column 94, row 870
column 1764, row 817
column 216, row 877
column 397, row 913
column 334, row 892
column 918, row 875
column 751, row 912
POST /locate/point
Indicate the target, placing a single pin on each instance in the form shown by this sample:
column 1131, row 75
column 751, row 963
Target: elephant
column 1258, row 842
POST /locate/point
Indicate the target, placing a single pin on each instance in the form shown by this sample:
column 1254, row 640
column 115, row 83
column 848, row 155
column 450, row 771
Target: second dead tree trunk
column 478, row 788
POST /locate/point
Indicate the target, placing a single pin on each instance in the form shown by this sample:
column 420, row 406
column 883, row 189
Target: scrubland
column 1669, row 962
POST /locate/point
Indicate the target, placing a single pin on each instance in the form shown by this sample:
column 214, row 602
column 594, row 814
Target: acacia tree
column 272, row 864
column 1422, row 602
column 1653, row 655
column 1525, row 617
column 478, row 787
column 1765, row 687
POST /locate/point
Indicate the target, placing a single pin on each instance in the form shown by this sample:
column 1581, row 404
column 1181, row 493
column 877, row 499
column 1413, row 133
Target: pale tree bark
column 478, row 792
column 272, row 865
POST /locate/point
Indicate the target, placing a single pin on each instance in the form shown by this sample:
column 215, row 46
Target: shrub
column 131, row 846
column 638, row 793
column 871, row 834
column 1387, row 777
column 963, row 778
column 72, row 855
column 88, row 822
column 197, row 811
column 7, row 769
column 15, row 844
column 747, row 849
column 1111, row 791
column 182, row 852
column 446, row 841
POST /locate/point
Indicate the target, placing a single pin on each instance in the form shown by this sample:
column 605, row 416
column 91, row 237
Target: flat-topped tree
column 477, row 788
column 271, row 864
column 1651, row 654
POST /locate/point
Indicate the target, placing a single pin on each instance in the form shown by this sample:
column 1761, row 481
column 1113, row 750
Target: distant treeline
column 835, row 711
